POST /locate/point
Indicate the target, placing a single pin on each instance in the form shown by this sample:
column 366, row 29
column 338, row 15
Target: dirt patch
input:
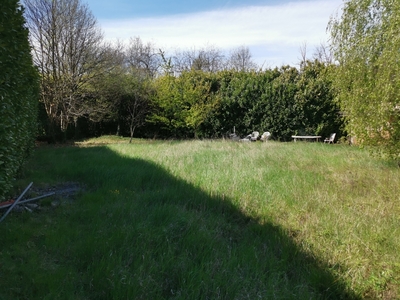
column 62, row 193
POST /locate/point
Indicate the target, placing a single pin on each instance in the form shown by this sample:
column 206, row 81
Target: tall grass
column 208, row 220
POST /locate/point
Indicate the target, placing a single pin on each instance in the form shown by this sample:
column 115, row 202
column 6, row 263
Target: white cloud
column 279, row 30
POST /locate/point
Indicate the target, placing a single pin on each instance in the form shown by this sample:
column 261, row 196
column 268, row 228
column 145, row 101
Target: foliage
column 365, row 42
column 282, row 114
column 135, row 103
column 201, row 104
column 69, row 53
column 196, row 93
column 18, row 94
column 182, row 103
column 241, row 100
column 320, row 113
column 193, row 94
column 124, row 93
column 282, row 101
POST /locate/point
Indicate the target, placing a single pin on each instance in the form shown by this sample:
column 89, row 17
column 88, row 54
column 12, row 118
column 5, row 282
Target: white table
column 306, row 137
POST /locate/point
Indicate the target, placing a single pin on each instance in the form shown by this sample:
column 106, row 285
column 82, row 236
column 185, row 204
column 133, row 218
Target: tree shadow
column 175, row 241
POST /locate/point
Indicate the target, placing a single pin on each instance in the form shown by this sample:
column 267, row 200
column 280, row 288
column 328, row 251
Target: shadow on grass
column 140, row 233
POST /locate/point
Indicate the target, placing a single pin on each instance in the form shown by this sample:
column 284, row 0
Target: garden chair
column 265, row 136
column 331, row 139
column 234, row 137
column 251, row 137
column 254, row 136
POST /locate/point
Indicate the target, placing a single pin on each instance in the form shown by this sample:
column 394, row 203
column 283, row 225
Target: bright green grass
column 207, row 220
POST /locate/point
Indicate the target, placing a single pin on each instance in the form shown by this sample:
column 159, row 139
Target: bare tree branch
column 240, row 59
column 68, row 50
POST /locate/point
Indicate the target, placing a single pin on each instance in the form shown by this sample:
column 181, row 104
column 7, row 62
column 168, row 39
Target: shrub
column 19, row 93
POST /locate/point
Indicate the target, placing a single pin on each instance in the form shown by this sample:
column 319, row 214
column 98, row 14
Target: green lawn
column 206, row 220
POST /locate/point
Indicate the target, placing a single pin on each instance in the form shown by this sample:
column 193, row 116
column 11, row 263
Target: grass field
column 206, row 220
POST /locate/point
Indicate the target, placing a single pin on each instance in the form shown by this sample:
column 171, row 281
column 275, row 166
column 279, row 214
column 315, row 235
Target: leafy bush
column 366, row 46
column 283, row 101
column 19, row 92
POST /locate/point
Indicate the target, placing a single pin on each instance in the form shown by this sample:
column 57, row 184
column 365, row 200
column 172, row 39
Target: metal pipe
column 29, row 200
column 15, row 203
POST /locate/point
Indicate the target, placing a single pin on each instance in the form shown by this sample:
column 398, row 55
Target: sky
column 273, row 30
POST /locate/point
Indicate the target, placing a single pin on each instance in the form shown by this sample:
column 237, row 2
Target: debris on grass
column 15, row 203
column 58, row 194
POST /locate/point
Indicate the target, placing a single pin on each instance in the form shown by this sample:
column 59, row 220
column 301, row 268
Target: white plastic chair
column 331, row 139
column 265, row 136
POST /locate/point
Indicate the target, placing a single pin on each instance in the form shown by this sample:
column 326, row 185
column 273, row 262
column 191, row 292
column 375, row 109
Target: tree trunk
column 132, row 129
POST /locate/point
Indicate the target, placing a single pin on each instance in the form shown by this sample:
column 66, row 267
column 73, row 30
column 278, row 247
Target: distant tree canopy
column 19, row 94
column 366, row 43
column 182, row 103
column 90, row 88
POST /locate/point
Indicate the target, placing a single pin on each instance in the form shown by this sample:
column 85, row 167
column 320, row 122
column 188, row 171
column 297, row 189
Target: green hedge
column 283, row 101
column 19, row 94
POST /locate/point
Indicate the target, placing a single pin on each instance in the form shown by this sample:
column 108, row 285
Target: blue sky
column 273, row 30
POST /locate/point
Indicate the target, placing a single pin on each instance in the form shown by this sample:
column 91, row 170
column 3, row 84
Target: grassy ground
column 207, row 220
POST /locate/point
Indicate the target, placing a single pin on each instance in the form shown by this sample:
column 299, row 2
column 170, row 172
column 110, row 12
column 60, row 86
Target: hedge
column 19, row 94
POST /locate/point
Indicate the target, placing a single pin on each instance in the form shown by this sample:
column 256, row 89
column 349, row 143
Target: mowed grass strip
column 207, row 220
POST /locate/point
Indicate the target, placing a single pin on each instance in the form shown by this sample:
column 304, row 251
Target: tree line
column 283, row 101
column 90, row 87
